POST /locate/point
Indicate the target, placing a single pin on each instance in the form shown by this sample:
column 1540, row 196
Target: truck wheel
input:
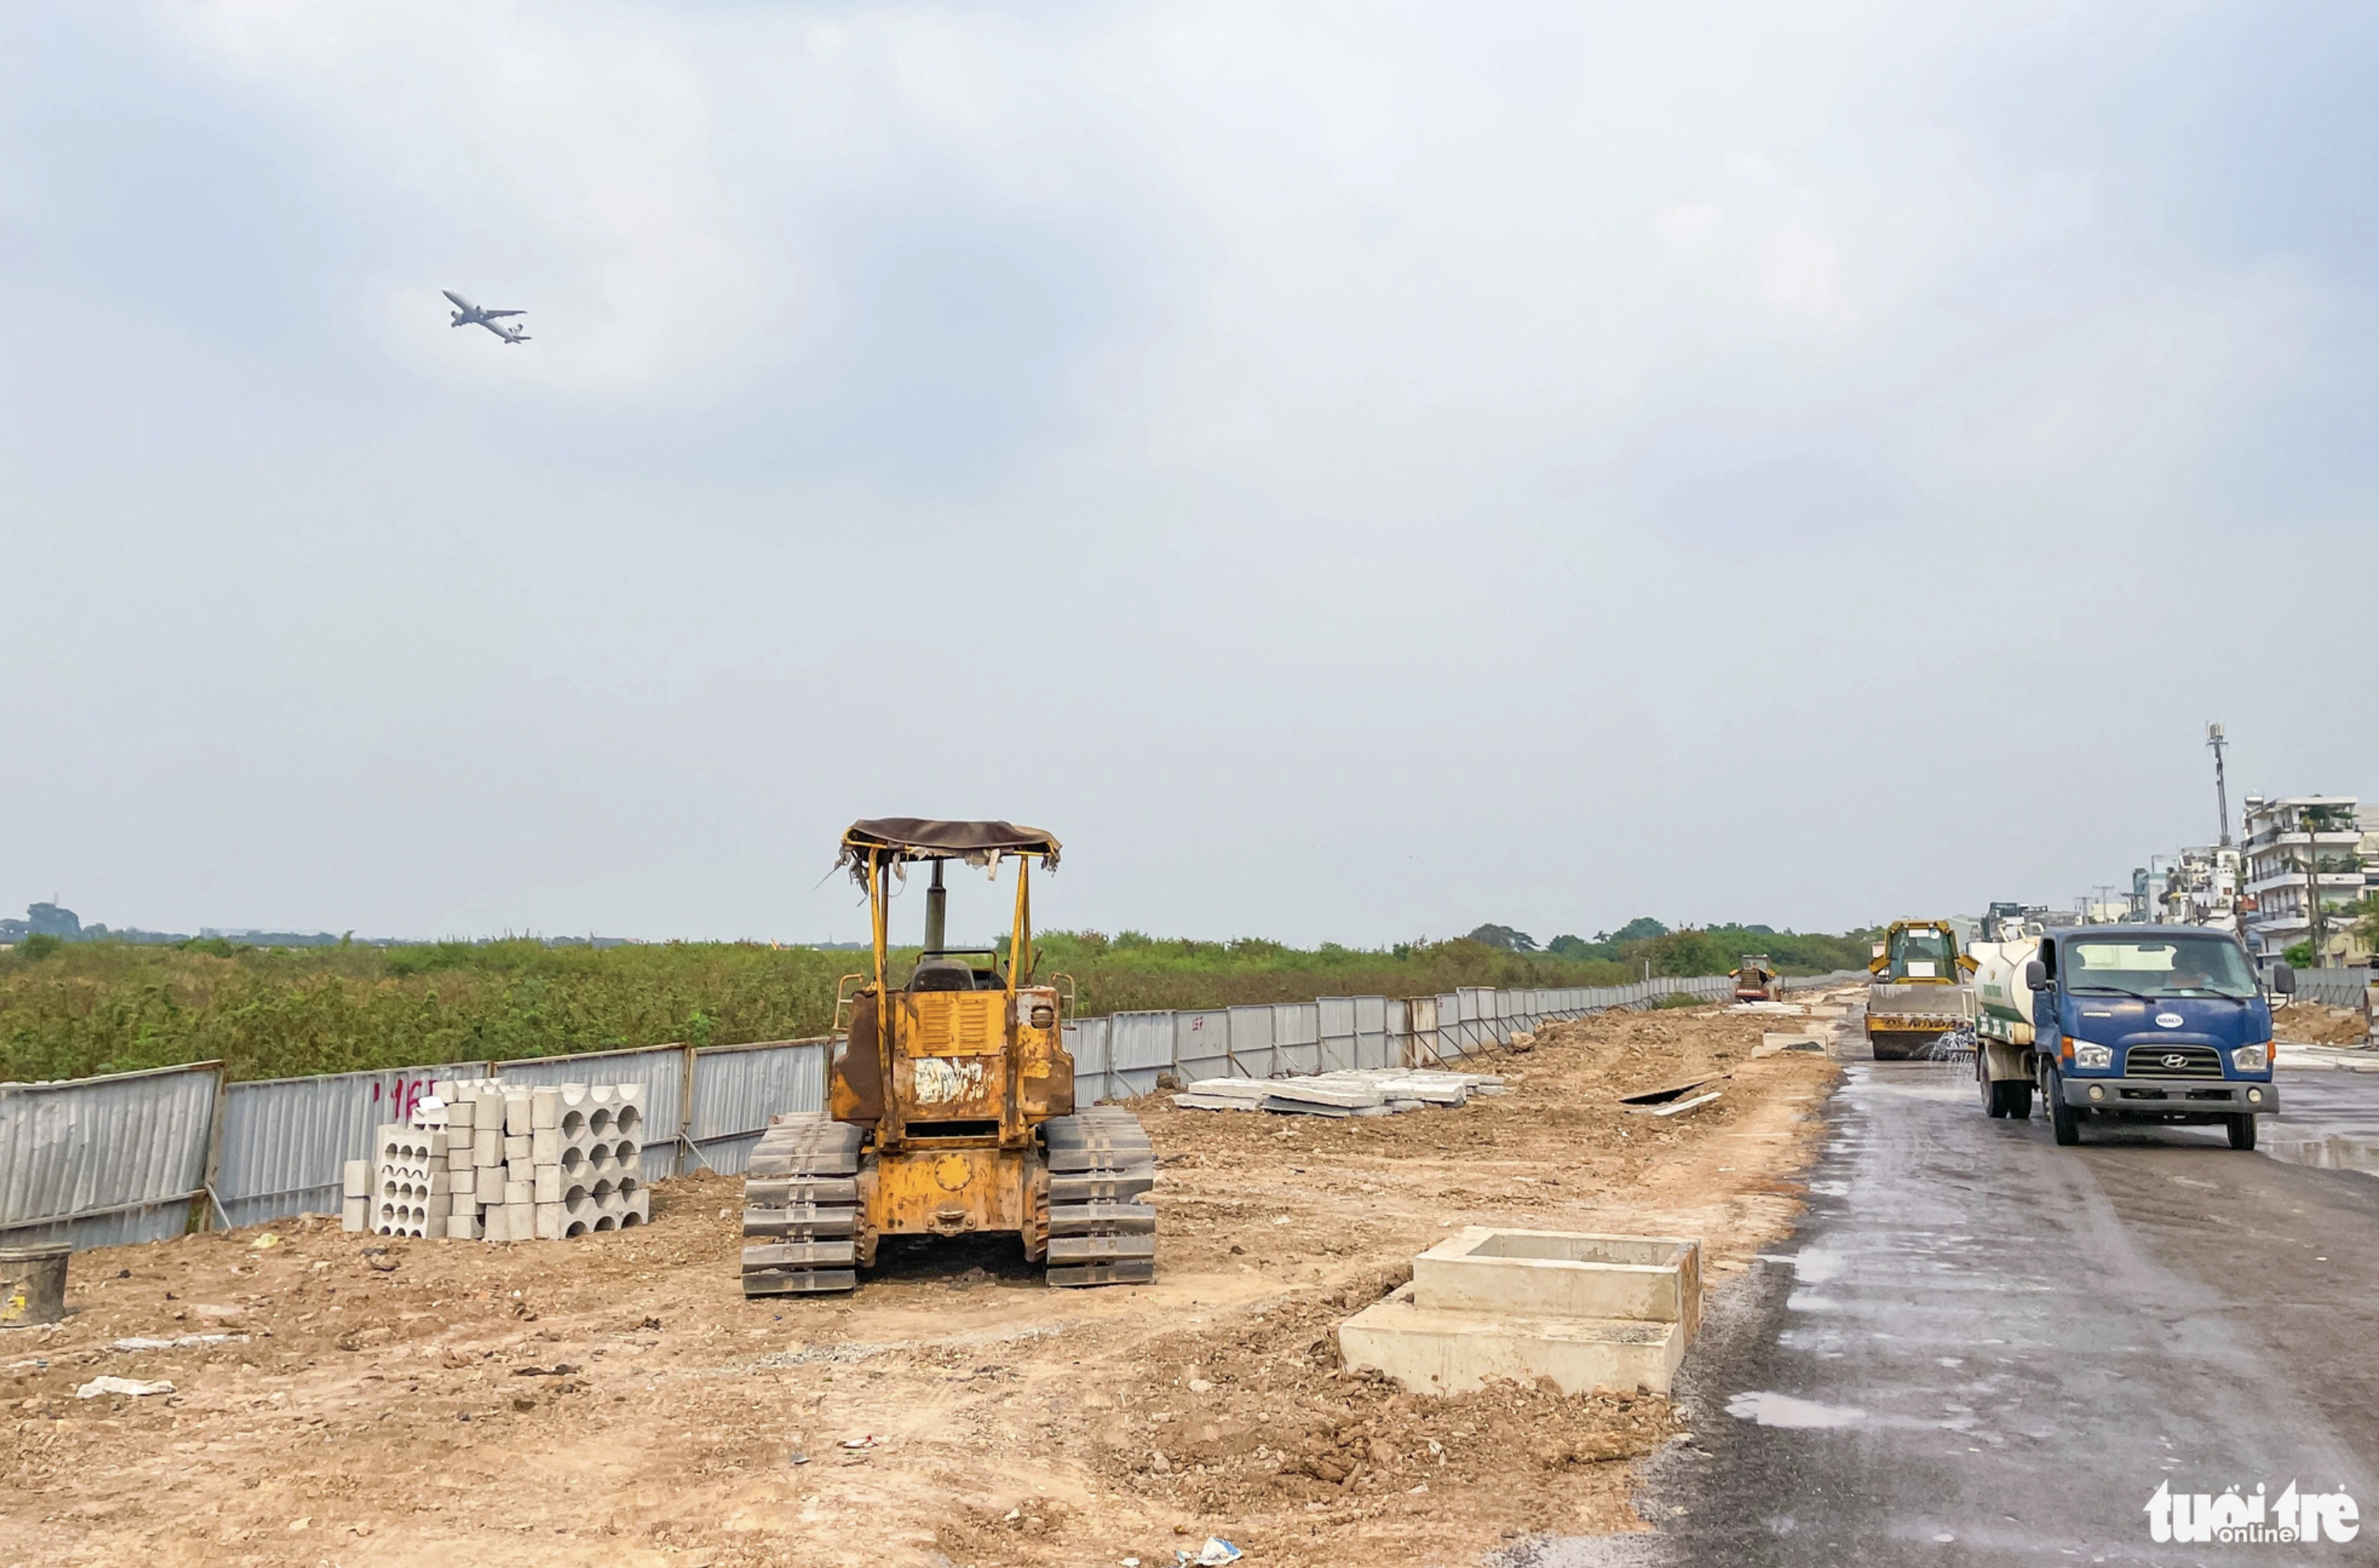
column 1994, row 1092
column 2242, row 1132
column 2019, row 1098
column 2062, row 1123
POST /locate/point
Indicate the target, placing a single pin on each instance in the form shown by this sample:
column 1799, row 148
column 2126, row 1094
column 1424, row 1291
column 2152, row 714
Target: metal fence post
column 206, row 1205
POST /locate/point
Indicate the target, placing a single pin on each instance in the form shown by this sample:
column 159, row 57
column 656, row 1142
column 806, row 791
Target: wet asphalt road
column 1981, row 1348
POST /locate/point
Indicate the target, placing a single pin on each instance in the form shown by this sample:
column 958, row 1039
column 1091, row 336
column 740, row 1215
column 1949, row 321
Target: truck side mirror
column 2283, row 979
column 2035, row 975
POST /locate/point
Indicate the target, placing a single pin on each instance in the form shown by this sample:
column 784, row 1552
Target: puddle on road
column 1783, row 1410
column 2335, row 1153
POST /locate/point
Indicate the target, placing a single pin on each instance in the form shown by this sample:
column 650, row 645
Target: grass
column 80, row 1008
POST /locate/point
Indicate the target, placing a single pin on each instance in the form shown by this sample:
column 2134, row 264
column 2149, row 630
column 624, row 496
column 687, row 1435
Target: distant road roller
column 950, row 1101
column 1922, row 989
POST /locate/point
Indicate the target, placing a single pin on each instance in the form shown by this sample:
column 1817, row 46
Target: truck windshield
column 1924, row 953
column 2179, row 966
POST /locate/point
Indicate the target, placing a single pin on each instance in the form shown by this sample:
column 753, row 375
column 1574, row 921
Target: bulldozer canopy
column 898, row 838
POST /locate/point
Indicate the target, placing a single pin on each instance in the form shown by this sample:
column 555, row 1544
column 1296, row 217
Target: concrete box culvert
column 1577, row 1308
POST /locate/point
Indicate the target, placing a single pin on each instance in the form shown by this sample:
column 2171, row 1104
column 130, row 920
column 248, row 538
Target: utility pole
column 2313, row 932
column 2221, row 790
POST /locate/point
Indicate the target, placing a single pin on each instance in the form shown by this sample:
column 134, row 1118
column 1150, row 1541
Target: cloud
column 1321, row 418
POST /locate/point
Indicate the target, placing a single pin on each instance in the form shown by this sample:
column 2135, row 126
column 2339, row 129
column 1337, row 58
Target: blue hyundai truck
column 2154, row 1023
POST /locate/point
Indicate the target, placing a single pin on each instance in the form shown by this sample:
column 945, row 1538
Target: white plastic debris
column 98, row 1386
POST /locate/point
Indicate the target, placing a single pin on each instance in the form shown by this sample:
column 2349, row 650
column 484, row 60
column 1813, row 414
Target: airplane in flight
column 469, row 315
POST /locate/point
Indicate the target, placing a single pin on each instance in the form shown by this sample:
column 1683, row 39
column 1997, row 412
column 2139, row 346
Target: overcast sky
column 1351, row 472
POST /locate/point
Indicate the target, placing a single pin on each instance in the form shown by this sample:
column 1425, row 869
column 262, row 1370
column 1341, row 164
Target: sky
column 1351, row 472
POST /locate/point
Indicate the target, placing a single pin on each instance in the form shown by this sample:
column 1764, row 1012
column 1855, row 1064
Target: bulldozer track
column 1101, row 1229
column 802, row 1204
column 801, row 1208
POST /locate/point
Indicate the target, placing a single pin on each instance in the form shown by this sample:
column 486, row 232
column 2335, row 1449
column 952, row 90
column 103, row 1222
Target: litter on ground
column 1373, row 1092
column 98, row 1386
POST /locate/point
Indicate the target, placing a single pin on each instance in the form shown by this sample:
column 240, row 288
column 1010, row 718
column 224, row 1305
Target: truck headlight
column 2252, row 1058
column 2094, row 1056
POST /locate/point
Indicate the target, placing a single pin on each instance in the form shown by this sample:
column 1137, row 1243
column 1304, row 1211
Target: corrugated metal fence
column 138, row 1156
column 2333, row 987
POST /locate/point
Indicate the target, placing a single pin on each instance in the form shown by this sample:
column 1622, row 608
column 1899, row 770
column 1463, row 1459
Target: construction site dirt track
column 614, row 1398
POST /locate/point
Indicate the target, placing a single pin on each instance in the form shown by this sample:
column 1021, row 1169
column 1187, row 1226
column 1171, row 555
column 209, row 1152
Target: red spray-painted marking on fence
column 405, row 1097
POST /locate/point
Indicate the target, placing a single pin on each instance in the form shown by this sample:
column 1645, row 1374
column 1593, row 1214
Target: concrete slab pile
column 1376, row 1091
column 485, row 1159
column 1581, row 1309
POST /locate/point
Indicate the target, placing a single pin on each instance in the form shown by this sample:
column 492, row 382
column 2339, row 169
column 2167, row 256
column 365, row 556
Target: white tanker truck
column 2003, row 1024
column 2125, row 1023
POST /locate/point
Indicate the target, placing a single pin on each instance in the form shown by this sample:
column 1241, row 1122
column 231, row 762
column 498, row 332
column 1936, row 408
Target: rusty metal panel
column 660, row 1069
column 738, row 1088
column 285, row 1138
column 99, row 1161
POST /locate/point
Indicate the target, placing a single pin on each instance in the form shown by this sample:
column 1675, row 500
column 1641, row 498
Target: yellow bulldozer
column 950, row 1101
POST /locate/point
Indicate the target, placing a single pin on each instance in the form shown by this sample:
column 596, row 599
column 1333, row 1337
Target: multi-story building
column 2201, row 887
column 2304, row 853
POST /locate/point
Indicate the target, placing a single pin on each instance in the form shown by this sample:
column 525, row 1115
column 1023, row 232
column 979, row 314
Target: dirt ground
column 614, row 1398
column 2309, row 1023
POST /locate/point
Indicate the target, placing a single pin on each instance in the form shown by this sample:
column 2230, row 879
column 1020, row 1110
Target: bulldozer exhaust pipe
column 938, row 905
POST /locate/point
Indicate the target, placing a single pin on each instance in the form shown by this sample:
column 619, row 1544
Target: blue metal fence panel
column 738, row 1088
column 1334, row 1018
column 1295, row 1037
column 1142, row 1048
column 1087, row 1041
column 1202, row 1045
column 285, row 1138
column 1251, row 1050
column 99, row 1161
column 1372, row 1048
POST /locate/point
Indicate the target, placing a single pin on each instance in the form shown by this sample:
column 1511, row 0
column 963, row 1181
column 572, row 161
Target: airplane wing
column 504, row 312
